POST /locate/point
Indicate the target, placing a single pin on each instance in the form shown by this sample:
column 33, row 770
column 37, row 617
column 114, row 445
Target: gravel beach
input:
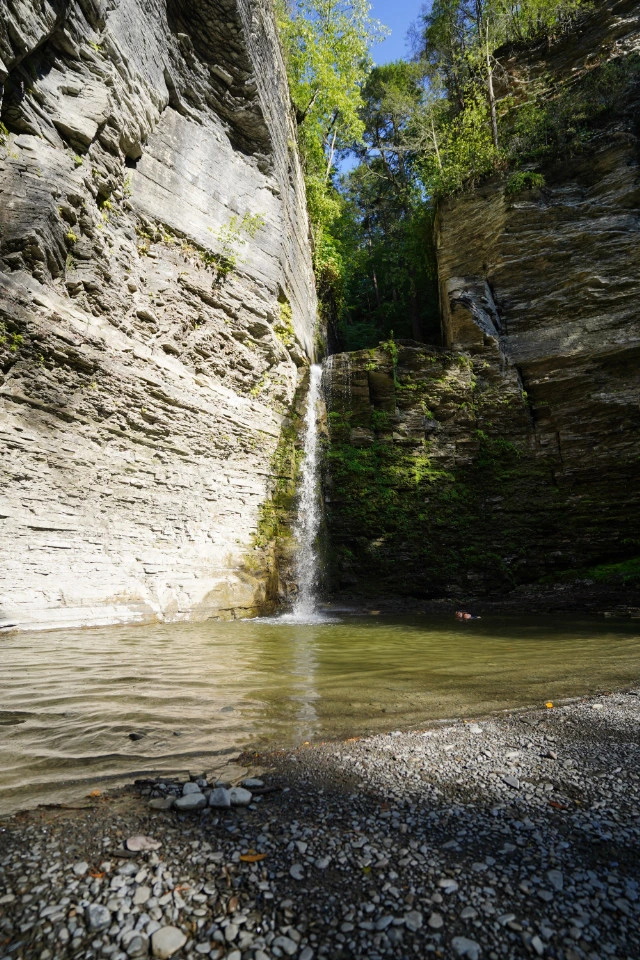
column 511, row 836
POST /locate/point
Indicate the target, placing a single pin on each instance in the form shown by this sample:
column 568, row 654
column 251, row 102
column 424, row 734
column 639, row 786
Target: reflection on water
column 70, row 699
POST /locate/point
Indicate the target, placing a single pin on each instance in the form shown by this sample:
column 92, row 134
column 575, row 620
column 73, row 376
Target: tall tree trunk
column 492, row 99
column 331, row 152
column 435, row 144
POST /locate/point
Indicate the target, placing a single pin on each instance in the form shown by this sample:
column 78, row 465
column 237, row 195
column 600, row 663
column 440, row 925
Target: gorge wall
column 509, row 458
column 157, row 306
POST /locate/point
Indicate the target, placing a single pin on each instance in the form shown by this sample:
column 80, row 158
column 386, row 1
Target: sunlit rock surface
column 142, row 393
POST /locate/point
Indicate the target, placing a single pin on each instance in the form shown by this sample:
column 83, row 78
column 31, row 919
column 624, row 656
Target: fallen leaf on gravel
column 94, row 793
column 252, row 857
column 140, row 843
column 558, row 806
column 96, row 874
column 548, row 704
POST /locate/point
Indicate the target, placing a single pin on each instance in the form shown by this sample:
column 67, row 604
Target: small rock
column 80, row 868
column 230, row 932
column 413, row 920
column 511, row 781
column 137, row 735
column 220, row 797
column 140, row 843
column 97, row 916
column 166, row 941
column 161, row 803
column 190, row 803
column 466, row 948
column 240, row 797
column 537, row 945
column 468, row 914
column 556, row 879
column 190, row 787
column 141, row 896
column 448, row 885
column 287, row 944
column 138, row 946
column 307, row 954
column 435, row 921
column 252, row 783
column 384, row 922
column 297, row 871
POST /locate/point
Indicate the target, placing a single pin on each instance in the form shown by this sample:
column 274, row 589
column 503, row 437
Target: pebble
column 220, row 797
column 162, row 803
column 141, row 843
column 80, row 868
column 141, row 896
column 98, row 916
column 252, row 783
column 166, row 941
column 413, row 920
column 435, row 921
column 240, row 797
column 192, row 801
column 466, row 948
column 289, row 946
column 297, row 871
column 190, row 787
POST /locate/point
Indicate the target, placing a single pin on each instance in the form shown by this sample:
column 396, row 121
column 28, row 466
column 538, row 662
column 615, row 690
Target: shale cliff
column 156, row 305
column 509, row 456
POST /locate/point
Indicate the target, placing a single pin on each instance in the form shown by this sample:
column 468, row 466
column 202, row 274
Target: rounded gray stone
column 220, row 797
column 240, row 797
column 193, row 801
column 98, row 917
column 166, row 941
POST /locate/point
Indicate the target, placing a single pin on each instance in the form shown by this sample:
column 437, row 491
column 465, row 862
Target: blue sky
column 398, row 15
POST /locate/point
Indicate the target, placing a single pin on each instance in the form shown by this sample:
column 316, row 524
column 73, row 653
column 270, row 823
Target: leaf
column 252, row 857
column 96, row 874
column 558, row 806
column 94, row 793
column 548, row 704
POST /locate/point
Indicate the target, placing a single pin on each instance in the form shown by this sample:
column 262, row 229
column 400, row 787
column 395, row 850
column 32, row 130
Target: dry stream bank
column 512, row 836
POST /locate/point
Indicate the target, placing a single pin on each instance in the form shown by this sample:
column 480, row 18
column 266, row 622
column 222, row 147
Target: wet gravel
column 506, row 837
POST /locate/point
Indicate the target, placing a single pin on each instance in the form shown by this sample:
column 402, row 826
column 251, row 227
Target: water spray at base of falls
column 307, row 524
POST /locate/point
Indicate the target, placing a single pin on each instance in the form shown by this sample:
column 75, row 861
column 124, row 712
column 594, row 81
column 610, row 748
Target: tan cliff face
column 157, row 306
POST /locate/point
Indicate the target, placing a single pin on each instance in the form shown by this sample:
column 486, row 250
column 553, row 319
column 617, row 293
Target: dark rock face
column 156, row 305
column 513, row 454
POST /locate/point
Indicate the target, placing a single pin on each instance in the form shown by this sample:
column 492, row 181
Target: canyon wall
column 509, row 457
column 157, row 306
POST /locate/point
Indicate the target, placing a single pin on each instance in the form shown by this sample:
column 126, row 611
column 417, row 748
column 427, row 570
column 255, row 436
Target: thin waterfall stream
column 307, row 524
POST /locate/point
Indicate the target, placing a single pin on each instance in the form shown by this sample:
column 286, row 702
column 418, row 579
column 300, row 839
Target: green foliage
column 524, row 180
column 71, row 237
column 78, row 160
column 231, row 237
column 4, row 133
column 326, row 49
column 284, row 327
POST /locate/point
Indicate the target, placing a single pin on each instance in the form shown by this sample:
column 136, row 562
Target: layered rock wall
column 156, row 306
column 510, row 457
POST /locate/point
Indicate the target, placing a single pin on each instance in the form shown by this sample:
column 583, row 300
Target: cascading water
column 307, row 524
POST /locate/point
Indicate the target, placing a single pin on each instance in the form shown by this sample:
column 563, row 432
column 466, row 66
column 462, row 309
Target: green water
column 69, row 699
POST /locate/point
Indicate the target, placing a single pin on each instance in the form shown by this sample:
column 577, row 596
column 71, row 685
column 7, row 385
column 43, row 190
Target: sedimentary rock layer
column 512, row 455
column 156, row 305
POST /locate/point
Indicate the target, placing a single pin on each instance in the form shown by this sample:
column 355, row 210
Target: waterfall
column 307, row 523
